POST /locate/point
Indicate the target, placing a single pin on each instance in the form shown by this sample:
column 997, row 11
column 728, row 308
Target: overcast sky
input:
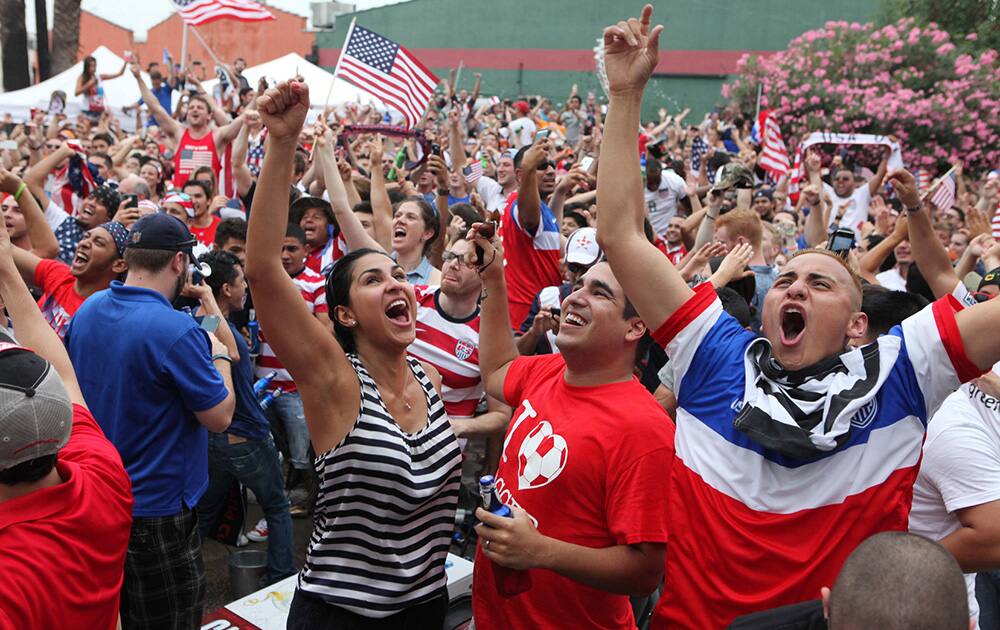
column 140, row 16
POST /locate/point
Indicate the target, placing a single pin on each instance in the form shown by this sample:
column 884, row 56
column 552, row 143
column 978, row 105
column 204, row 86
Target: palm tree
column 14, row 42
column 65, row 34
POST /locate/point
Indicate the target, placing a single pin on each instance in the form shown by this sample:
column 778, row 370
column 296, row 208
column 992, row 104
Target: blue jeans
column 255, row 464
column 288, row 409
column 988, row 596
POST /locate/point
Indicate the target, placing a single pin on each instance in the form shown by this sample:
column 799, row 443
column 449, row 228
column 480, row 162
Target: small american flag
column 388, row 72
column 473, row 172
column 773, row 155
column 197, row 12
column 255, row 153
column 944, row 194
column 698, row 150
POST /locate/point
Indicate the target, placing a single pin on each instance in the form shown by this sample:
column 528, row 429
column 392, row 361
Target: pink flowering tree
column 900, row 79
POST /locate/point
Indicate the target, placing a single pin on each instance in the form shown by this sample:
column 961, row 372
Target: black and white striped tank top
column 386, row 508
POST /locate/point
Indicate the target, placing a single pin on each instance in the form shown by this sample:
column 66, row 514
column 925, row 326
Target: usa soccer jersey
column 452, row 347
column 531, row 260
column 752, row 528
column 589, row 465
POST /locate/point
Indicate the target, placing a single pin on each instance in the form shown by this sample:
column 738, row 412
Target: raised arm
column 496, row 344
column 529, row 202
column 875, row 183
column 928, row 253
column 241, row 172
column 298, row 338
column 228, row 132
column 650, row 281
column 381, row 204
column 873, row 258
column 43, row 240
column 349, row 223
column 32, row 329
column 170, row 126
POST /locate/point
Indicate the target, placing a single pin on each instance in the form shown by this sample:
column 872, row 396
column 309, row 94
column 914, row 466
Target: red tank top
column 192, row 154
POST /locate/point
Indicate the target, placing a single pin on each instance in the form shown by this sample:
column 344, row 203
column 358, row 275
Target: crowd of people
column 708, row 396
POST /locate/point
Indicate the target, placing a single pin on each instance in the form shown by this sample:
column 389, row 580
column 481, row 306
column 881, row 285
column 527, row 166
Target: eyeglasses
column 544, row 166
column 450, row 256
column 982, row 296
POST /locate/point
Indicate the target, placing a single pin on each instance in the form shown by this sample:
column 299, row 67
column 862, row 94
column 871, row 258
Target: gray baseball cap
column 36, row 415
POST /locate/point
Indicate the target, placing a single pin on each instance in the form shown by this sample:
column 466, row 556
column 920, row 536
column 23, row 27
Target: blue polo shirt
column 144, row 370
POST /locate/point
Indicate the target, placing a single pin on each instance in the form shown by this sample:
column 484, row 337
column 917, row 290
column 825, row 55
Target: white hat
column 582, row 247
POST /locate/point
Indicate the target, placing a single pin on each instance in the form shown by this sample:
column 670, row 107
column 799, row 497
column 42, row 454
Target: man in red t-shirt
column 584, row 466
column 529, row 230
column 97, row 262
column 203, row 222
column 65, row 499
column 198, row 143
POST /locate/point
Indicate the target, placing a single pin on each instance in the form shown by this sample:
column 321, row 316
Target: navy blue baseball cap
column 161, row 231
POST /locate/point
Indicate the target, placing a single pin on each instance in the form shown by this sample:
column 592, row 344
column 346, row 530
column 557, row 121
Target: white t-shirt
column 961, row 467
column 891, row 279
column 491, row 193
column 662, row 203
column 857, row 209
column 524, row 130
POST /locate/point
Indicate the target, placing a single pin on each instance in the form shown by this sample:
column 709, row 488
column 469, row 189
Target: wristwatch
column 443, row 192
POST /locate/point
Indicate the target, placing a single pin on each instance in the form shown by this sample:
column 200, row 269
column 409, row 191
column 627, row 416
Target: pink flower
column 819, row 73
column 972, row 37
column 944, row 49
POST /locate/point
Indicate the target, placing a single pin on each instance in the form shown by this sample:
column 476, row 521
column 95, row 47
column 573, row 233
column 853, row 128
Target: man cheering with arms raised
column 791, row 448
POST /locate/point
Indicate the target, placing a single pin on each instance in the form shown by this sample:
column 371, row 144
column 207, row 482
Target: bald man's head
column 899, row 581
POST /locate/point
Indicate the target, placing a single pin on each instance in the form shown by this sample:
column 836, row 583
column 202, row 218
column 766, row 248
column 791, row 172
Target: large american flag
column 197, row 12
column 773, row 154
column 388, row 72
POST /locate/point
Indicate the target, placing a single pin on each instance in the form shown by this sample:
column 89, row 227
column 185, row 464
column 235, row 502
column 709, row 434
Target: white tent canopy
column 117, row 92
column 318, row 80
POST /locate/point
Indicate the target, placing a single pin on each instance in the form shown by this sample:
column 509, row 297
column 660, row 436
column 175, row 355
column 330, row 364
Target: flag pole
column 184, row 46
column 756, row 114
column 336, row 69
column 201, row 39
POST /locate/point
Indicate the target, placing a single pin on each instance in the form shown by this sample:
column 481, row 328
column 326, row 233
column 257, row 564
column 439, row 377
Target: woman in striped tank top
column 387, row 459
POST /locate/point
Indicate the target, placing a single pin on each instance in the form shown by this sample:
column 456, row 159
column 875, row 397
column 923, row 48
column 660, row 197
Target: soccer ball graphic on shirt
column 541, row 458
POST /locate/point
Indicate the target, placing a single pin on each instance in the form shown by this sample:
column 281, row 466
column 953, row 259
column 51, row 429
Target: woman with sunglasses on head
column 386, row 456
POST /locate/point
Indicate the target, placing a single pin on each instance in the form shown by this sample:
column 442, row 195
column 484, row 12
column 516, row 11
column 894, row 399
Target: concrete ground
column 216, row 555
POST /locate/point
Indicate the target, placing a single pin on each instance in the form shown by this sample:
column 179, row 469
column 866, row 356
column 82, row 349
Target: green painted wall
column 733, row 25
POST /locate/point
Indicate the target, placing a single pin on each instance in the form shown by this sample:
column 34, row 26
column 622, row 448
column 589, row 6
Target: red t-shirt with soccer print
column 591, row 466
column 59, row 301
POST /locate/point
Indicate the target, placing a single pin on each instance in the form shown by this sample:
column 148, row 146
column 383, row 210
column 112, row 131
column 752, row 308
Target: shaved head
column 899, row 581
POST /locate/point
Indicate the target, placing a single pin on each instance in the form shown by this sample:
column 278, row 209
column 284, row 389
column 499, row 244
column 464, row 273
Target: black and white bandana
column 807, row 412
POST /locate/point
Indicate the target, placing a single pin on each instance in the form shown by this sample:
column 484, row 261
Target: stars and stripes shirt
column 312, row 286
column 386, row 508
column 321, row 261
column 192, row 154
column 452, row 346
column 737, row 500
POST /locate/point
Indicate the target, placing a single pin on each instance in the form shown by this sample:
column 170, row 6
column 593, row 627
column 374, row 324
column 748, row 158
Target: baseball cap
column 160, row 231
column 992, row 277
column 582, row 247
column 733, row 175
column 36, row 415
column 300, row 205
column 523, row 107
column 764, row 193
